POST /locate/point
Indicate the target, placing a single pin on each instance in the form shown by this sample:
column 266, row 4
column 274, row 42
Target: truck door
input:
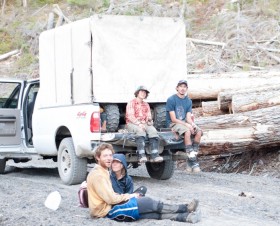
column 10, row 102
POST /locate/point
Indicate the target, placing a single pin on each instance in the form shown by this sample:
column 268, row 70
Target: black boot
column 154, row 142
column 140, row 142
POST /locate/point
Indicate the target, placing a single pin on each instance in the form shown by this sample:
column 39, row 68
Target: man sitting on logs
column 179, row 119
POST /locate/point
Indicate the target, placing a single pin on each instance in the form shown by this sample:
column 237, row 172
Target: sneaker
column 192, row 206
column 142, row 158
column 188, row 167
column 141, row 190
column 194, row 217
column 156, row 158
column 194, row 166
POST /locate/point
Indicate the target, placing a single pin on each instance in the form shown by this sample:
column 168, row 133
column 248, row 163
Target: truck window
column 9, row 94
column 32, row 94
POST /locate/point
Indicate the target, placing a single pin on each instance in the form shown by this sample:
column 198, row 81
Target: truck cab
column 17, row 98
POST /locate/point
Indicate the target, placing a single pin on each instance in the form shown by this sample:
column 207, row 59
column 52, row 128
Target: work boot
column 154, row 150
column 140, row 142
column 155, row 157
column 142, row 158
column 192, row 206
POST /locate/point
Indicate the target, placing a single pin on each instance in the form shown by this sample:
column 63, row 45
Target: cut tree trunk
column 254, row 101
column 208, row 86
column 225, row 97
column 210, row 108
column 236, row 133
column 7, row 55
column 237, row 140
column 197, row 112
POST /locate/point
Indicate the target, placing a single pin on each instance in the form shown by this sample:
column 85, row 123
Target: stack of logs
column 242, row 111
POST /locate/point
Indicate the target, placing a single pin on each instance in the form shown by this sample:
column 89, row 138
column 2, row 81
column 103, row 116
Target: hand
column 195, row 127
column 136, row 195
column 190, row 127
column 142, row 126
column 150, row 123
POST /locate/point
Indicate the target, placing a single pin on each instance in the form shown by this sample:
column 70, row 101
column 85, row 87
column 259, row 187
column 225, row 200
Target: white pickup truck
column 98, row 61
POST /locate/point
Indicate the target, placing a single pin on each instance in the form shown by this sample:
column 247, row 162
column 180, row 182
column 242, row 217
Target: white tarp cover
column 47, row 91
column 65, row 50
column 129, row 51
column 81, row 39
column 126, row 52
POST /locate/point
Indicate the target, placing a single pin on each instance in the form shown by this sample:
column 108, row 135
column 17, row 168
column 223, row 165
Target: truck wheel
column 113, row 117
column 2, row 165
column 72, row 170
column 160, row 116
column 161, row 171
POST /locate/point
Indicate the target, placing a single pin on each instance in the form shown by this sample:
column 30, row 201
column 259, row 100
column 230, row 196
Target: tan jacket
column 101, row 195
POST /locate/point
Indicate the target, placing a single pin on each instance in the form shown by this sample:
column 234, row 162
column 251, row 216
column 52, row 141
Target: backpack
column 83, row 195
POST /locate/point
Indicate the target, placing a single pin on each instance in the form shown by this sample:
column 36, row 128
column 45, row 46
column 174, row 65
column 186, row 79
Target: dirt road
column 225, row 199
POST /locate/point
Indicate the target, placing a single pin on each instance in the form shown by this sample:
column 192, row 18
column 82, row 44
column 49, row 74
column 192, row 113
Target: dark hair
column 101, row 148
column 137, row 92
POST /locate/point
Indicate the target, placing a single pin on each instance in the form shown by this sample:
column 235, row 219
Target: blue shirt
column 122, row 186
column 181, row 106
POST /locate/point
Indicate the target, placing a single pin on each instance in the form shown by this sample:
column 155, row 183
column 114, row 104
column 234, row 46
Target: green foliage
column 42, row 2
column 196, row 1
column 90, row 3
column 25, row 60
column 5, row 41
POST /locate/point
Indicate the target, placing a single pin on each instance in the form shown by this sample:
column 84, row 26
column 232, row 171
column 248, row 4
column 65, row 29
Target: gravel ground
column 225, row 199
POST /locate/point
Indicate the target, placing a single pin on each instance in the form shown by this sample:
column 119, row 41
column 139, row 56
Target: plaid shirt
column 137, row 113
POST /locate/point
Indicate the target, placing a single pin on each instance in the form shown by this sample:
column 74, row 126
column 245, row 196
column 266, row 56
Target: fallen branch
column 266, row 49
column 38, row 10
column 58, row 11
column 252, row 67
column 198, row 41
column 7, row 55
column 3, row 7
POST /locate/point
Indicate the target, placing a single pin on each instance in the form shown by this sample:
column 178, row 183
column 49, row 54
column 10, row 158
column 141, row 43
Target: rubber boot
column 140, row 142
column 180, row 217
column 154, row 142
column 193, row 217
column 168, row 208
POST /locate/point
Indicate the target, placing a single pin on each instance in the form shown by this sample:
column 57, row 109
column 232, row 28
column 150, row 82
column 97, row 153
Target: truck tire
column 161, row 171
column 160, row 116
column 72, row 170
column 113, row 117
column 2, row 165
